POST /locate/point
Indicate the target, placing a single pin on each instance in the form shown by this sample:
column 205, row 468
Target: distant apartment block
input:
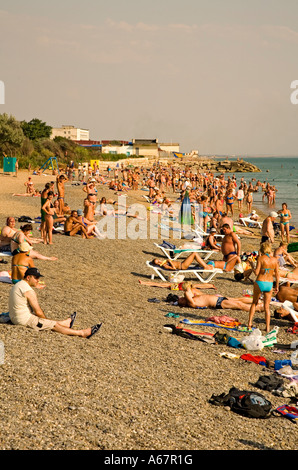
column 135, row 147
column 70, row 132
column 151, row 147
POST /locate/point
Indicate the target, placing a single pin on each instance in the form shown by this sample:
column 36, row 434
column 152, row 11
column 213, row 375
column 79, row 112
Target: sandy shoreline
column 132, row 386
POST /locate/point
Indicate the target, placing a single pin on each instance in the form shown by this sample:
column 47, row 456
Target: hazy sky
column 212, row 75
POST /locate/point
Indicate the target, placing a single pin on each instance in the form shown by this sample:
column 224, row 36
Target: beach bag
column 221, row 338
column 25, row 218
column 172, row 298
column 269, row 382
column 246, row 403
column 253, row 342
column 176, row 278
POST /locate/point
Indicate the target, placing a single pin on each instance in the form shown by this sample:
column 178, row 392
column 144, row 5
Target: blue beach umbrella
column 185, row 216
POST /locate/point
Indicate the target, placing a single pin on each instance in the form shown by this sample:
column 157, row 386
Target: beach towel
column 293, row 329
column 216, row 325
column 224, row 320
column 289, row 412
column 256, row 359
column 191, row 334
column 5, row 277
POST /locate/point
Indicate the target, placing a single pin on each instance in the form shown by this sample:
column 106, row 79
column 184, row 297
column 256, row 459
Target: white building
column 70, row 132
column 118, row 149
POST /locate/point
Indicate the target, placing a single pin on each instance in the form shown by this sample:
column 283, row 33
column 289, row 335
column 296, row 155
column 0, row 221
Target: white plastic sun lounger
column 247, row 222
column 290, row 308
column 201, row 233
column 173, row 254
column 283, row 280
column 204, row 275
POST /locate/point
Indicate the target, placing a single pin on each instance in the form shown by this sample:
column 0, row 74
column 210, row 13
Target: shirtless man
column 60, row 180
column 291, row 295
column 195, row 300
column 235, row 228
column 7, row 233
column 287, row 293
column 73, row 226
column 29, row 186
column 230, row 247
column 89, row 208
column 267, row 227
column 151, row 185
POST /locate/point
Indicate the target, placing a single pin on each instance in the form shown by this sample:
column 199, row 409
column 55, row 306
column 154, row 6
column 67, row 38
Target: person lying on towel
column 199, row 300
column 175, row 265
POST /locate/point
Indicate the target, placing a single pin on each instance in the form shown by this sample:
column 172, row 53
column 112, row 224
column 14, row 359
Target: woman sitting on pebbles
column 24, row 234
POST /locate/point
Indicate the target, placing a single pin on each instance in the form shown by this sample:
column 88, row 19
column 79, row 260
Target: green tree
column 11, row 133
column 36, row 129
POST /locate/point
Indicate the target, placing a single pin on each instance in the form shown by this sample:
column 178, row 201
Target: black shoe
column 73, row 317
column 94, row 329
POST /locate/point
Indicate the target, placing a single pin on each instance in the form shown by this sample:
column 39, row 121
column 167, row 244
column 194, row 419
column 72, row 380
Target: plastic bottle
column 2, row 352
column 294, row 358
column 278, row 364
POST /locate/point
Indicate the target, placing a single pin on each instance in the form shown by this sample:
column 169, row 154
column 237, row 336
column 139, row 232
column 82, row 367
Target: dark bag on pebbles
column 269, row 382
column 244, row 402
column 221, row 338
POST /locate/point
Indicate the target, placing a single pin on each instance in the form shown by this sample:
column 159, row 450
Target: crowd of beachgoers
column 221, row 209
column 244, row 265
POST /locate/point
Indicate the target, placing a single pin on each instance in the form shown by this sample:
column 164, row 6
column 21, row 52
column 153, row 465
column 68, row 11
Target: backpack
column 172, row 298
column 221, row 338
column 243, row 402
column 269, row 382
column 25, row 218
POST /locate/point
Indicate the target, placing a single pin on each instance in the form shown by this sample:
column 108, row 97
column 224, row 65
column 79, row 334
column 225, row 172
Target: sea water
column 282, row 172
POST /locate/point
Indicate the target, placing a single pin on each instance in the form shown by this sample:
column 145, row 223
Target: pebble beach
column 133, row 386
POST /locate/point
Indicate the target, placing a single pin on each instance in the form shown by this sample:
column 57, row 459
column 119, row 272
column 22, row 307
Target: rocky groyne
column 222, row 166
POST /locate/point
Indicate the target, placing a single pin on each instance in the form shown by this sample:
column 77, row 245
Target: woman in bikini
column 230, row 202
column 267, row 268
column 285, row 217
column 283, row 256
column 91, row 190
column 58, row 216
column 240, row 197
column 249, row 201
column 24, row 234
column 49, row 210
column 175, row 265
column 20, row 262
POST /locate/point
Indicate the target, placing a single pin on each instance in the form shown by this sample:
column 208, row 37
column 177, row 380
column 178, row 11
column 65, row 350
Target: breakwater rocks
column 229, row 166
